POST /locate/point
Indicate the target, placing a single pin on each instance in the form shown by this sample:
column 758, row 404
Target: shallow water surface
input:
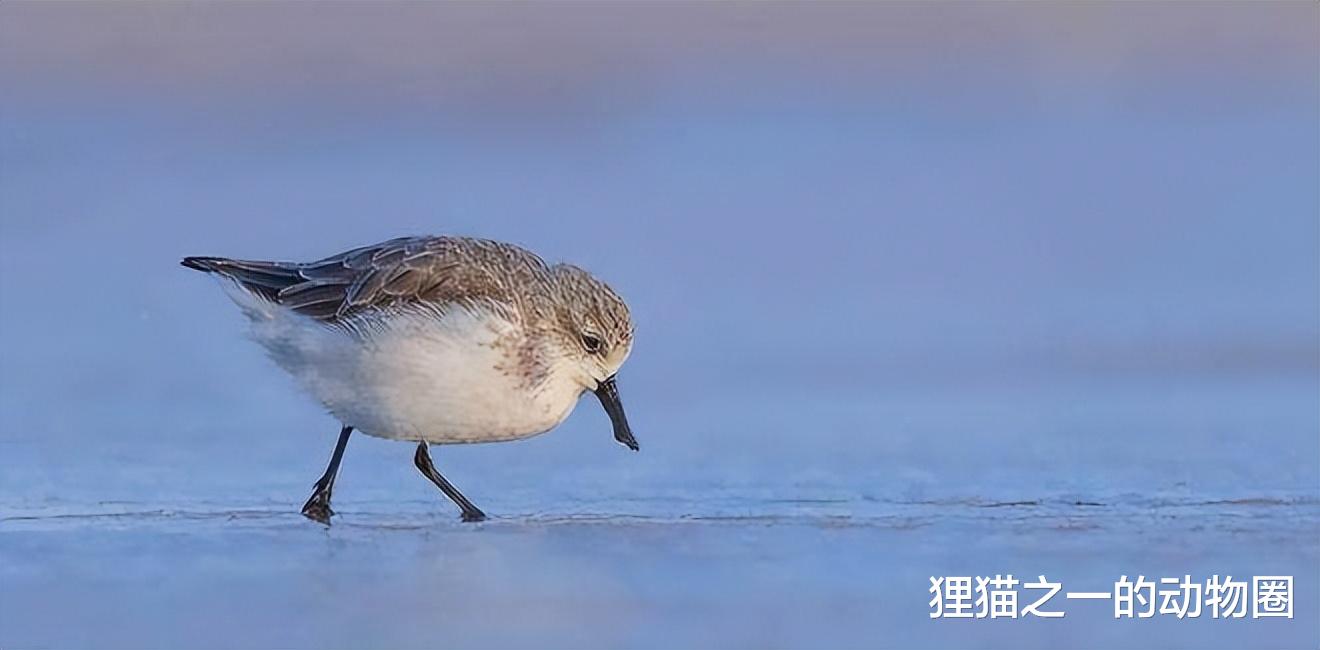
column 751, row 573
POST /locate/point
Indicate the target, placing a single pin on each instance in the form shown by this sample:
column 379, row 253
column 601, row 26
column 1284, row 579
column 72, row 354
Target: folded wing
column 437, row 271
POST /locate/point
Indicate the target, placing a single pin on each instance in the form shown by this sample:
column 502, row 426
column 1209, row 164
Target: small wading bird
column 439, row 340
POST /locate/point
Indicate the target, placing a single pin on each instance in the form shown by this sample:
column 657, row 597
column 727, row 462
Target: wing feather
column 439, row 271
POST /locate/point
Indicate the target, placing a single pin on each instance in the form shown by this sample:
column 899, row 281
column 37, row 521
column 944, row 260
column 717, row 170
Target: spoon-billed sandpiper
column 436, row 340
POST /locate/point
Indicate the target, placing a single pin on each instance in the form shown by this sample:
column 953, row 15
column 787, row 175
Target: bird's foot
column 317, row 507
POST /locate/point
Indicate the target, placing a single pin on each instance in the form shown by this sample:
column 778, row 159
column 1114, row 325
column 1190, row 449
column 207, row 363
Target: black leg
column 422, row 459
column 317, row 507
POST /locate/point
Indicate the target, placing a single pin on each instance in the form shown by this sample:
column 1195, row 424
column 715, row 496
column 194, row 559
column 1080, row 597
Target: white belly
column 419, row 378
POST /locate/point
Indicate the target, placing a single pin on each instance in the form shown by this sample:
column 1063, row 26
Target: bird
column 435, row 340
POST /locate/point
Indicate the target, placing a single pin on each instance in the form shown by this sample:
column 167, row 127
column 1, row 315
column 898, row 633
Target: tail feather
column 264, row 278
column 205, row 264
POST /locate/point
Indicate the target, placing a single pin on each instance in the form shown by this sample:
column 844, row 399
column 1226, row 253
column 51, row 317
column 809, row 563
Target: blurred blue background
column 915, row 285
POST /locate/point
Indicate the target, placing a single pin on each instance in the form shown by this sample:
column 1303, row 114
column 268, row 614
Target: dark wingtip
column 204, row 264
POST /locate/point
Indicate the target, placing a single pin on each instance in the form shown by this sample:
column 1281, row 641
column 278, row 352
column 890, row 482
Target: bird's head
column 594, row 334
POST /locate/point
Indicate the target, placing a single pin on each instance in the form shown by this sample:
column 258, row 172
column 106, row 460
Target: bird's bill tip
column 627, row 440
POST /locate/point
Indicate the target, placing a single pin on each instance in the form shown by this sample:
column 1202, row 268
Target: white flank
column 414, row 376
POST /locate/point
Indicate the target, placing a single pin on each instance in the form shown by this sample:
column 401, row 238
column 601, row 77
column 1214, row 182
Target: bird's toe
column 318, row 509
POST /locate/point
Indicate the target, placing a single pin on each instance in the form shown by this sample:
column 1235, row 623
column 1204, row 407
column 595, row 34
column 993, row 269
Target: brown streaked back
column 398, row 272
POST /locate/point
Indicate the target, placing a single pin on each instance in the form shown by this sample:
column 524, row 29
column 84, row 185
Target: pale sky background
column 498, row 56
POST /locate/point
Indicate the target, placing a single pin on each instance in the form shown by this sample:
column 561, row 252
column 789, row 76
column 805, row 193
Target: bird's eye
column 591, row 343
